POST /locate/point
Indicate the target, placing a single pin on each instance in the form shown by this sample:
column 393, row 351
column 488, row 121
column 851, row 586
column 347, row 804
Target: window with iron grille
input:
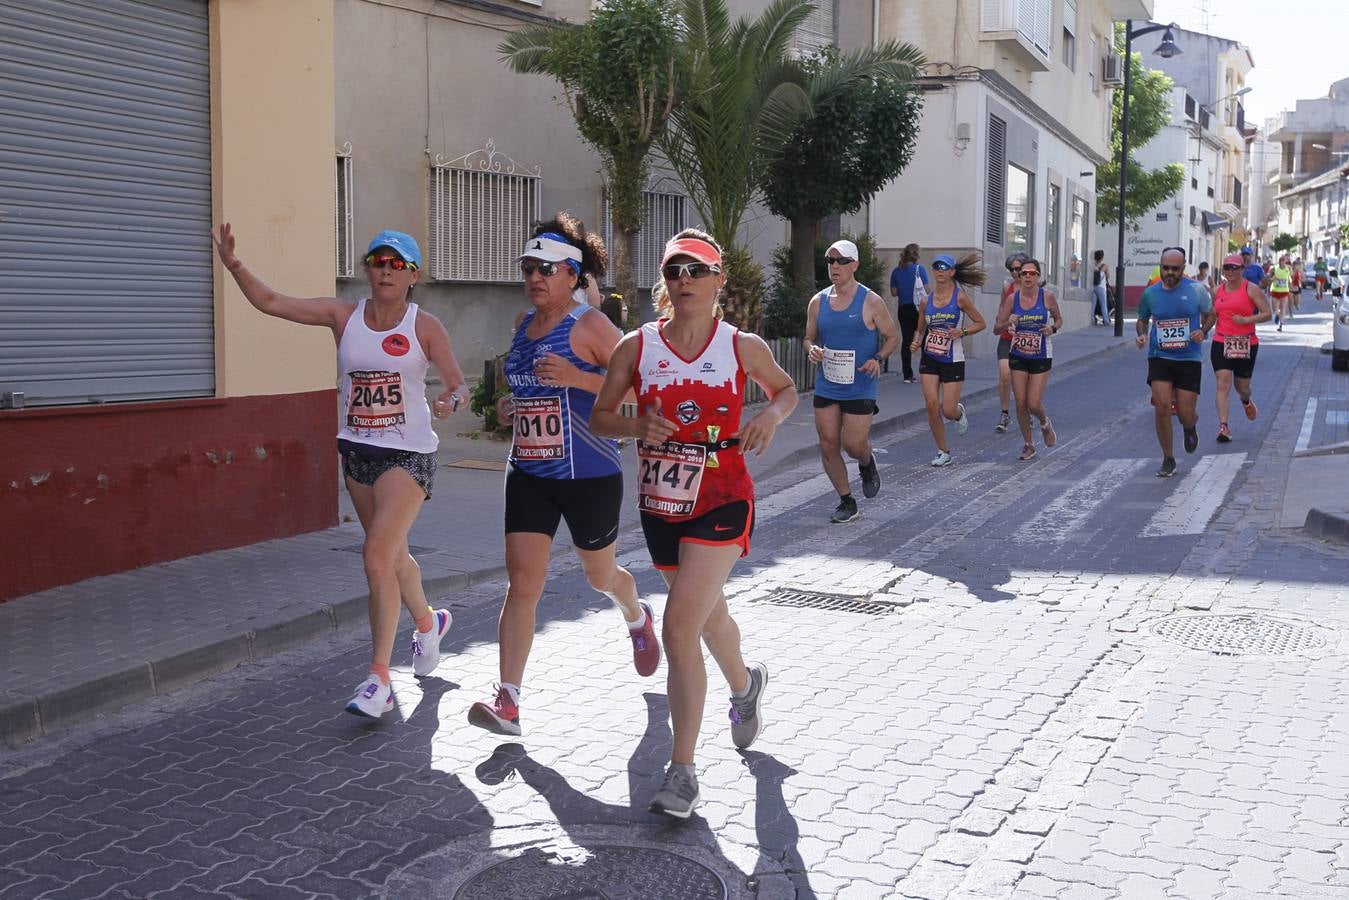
column 664, row 215
column 995, row 191
column 344, row 248
column 482, row 207
column 819, row 29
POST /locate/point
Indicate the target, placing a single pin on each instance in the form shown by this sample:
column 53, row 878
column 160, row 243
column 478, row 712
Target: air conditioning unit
column 1112, row 69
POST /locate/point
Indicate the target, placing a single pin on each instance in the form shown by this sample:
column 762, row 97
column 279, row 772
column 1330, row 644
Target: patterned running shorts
column 421, row 466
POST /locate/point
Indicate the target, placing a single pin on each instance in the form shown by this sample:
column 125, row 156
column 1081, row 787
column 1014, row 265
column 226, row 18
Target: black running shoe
column 846, row 511
column 871, row 478
column 1168, row 468
column 1191, row 439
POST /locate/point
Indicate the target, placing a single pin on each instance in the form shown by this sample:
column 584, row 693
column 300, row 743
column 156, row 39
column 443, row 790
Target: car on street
column 1339, row 352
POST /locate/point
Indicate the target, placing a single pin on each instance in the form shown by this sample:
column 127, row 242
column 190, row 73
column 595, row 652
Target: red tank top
column 704, row 396
column 1229, row 303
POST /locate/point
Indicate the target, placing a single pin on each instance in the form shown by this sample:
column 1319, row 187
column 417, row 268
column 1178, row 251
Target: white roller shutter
column 105, row 200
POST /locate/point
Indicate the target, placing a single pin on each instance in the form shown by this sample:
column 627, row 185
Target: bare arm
column 813, row 352
column 1003, row 320
column 1052, row 304
column 593, row 339
column 1262, row 311
column 877, row 315
column 327, row 311
column 605, row 420
column 759, row 364
column 968, row 307
column 435, row 341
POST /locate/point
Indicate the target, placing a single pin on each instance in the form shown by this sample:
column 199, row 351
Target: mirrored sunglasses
column 546, row 269
column 388, row 261
column 1025, row 271
column 676, row 271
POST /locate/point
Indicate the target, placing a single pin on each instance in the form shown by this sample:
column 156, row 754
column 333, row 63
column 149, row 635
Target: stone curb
column 1328, row 525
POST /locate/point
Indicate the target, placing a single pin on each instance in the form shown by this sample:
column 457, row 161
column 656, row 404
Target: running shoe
column 1047, row 430
column 871, row 478
column 1027, row 452
column 1168, row 468
column 941, row 459
column 746, row 718
column 963, row 423
column 678, row 793
column 645, row 647
column 1251, row 411
column 910, row 380
column 1280, row 328
column 846, row 511
column 1191, row 439
column 1004, row 422
column 502, row 716
column 373, row 698
column 426, row 647
column 1224, row 434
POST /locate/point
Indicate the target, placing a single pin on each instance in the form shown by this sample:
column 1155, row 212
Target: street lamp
column 1166, row 50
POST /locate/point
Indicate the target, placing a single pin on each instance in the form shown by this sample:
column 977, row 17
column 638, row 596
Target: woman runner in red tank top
column 696, row 496
column 1239, row 305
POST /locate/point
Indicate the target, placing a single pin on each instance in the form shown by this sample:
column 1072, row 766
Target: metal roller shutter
column 105, row 201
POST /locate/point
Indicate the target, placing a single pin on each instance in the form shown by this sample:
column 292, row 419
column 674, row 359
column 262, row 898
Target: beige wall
column 272, row 152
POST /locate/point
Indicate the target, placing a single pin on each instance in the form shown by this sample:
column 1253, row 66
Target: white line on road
column 1194, row 501
column 1068, row 513
column 1308, row 423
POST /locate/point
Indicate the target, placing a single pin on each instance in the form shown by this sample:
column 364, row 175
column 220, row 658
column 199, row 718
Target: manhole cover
column 602, row 872
column 831, row 602
column 1232, row 635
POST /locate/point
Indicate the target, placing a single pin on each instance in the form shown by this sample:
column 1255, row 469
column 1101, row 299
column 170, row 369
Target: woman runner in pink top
column 1239, row 305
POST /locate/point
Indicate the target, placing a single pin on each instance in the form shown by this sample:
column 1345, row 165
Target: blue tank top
column 937, row 346
column 552, row 424
column 1029, row 342
column 1174, row 315
column 847, row 343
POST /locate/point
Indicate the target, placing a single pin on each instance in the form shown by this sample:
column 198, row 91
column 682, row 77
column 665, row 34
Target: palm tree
column 619, row 79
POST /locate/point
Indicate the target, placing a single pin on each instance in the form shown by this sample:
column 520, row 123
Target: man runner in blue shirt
column 1184, row 316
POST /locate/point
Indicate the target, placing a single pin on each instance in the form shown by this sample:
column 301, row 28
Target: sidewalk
column 72, row 652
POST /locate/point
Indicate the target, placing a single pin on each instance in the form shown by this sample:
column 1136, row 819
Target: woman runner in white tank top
column 384, row 347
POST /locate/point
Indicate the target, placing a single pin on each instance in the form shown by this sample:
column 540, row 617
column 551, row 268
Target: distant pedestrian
column 1322, row 272
column 616, row 310
column 909, row 285
column 689, row 369
column 557, row 469
column 941, row 333
column 849, row 334
column 1251, row 270
column 1239, row 306
column 1280, row 286
column 1100, row 279
column 1184, row 315
column 1205, row 277
column 1004, row 349
column 1032, row 316
column 385, row 346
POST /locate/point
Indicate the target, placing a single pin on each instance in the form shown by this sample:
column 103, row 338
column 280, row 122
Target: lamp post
column 1166, row 50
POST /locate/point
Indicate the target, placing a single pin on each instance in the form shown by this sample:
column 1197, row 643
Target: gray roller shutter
column 105, row 200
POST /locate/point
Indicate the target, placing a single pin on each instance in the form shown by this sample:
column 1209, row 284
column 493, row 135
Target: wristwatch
column 879, row 358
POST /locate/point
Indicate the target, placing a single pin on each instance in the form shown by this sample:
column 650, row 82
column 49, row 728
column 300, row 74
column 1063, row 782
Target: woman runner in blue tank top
column 1031, row 314
column 948, row 317
column 558, row 469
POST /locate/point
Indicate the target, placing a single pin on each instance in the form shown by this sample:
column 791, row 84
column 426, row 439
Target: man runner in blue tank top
column 849, row 333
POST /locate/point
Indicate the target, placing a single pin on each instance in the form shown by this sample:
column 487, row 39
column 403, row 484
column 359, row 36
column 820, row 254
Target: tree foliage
column 1149, row 112
column 619, row 76
column 788, row 294
column 1285, row 241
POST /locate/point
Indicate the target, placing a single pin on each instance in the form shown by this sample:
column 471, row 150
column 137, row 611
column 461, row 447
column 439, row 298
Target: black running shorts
column 1029, row 366
column 590, row 506
column 1184, row 374
column 1241, row 368
column 725, row 525
column 858, row 407
column 945, row 372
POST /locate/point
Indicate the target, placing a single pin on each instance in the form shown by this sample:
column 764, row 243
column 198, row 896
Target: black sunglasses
column 838, row 260
column 546, row 269
column 1232, row 268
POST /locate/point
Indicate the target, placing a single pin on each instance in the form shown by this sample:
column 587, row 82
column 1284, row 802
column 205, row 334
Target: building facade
column 1312, row 211
column 1015, row 122
column 149, row 411
column 1312, row 137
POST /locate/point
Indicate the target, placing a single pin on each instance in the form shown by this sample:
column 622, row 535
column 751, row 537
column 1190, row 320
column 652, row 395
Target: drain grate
column 595, row 872
column 1232, row 635
column 829, row 602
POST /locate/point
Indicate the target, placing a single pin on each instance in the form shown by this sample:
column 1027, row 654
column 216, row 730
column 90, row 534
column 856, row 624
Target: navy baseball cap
column 405, row 245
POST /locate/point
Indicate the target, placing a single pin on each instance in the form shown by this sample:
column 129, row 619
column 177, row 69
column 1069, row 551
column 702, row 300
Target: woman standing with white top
column 385, row 346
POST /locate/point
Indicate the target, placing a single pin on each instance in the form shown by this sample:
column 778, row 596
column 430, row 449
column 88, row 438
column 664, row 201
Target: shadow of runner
column 774, row 825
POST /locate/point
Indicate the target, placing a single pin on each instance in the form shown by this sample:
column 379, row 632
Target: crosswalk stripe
column 1069, row 512
column 1194, row 501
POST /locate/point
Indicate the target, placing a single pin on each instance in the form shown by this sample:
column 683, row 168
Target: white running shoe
column 942, row 459
column 373, row 699
column 426, row 647
column 963, row 423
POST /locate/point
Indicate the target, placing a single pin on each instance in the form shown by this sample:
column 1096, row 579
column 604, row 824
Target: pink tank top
column 1230, row 303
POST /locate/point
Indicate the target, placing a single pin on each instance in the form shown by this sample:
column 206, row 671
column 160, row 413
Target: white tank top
column 384, row 385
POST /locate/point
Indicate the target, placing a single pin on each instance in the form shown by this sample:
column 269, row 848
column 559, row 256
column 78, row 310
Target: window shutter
column 995, row 196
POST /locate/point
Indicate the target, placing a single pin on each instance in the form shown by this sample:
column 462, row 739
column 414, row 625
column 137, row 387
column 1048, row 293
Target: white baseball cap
column 845, row 248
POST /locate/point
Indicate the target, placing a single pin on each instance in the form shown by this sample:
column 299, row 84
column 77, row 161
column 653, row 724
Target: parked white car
column 1339, row 353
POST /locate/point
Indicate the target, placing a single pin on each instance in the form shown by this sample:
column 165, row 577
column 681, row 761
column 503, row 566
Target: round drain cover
column 1234, row 634
column 604, row 872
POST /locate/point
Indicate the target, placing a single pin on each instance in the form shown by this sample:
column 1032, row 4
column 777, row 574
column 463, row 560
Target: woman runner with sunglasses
column 1031, row 322
column 1013, row 263
column 696, row 496
column 384, row 346
column 558, row 469
column 940, row 333
column 1239, row 305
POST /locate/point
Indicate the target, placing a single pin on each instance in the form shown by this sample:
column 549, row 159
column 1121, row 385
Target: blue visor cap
column 405, row 245
column 944, row 262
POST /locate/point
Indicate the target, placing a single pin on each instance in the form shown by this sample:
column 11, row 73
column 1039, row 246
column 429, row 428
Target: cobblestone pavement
column 1003, row 710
